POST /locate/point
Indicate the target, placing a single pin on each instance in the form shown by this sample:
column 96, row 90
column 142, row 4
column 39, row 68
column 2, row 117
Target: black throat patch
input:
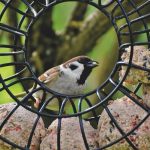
column 86, row 72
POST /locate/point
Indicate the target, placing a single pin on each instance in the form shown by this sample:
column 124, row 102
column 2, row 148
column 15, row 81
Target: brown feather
column 50, row 75
column 73, row 59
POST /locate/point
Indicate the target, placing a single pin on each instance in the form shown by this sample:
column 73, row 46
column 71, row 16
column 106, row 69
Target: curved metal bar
column 16, row 31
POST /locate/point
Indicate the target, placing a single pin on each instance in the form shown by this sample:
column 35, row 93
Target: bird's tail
column 22, row 94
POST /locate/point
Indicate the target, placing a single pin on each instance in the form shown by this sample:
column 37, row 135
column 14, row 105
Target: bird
column 69, row 78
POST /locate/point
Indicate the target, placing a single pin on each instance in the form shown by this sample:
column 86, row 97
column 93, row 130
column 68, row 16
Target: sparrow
column 69, row 78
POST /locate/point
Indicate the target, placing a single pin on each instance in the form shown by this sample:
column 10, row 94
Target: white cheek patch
column 73, row 74
column 79, row 70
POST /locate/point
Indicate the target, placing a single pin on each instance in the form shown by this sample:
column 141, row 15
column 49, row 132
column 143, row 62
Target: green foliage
column 6, row 72
column 61, row 15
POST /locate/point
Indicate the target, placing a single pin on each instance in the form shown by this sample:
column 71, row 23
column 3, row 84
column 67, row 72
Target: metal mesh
column 126, row 37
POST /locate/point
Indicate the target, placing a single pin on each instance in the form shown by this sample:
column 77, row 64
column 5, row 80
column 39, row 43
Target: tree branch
column 92, row 28
column 76, row 19
column 42, row 43
column 90, row 31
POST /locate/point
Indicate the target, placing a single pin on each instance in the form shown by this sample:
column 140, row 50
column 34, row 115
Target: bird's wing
column 50, row 75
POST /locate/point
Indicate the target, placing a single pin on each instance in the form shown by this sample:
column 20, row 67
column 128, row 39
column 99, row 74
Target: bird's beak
column 92, row 64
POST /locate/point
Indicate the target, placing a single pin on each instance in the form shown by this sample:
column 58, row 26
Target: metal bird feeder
column 126, row 37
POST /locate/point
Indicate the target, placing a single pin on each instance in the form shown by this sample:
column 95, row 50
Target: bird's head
column 78, row 68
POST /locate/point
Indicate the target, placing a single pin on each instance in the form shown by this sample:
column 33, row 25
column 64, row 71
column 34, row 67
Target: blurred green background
column 62, row 27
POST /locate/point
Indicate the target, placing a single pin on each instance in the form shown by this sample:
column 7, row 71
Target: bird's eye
column 73, row 67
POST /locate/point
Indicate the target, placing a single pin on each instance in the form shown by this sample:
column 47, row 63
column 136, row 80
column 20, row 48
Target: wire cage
column 115, row 11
